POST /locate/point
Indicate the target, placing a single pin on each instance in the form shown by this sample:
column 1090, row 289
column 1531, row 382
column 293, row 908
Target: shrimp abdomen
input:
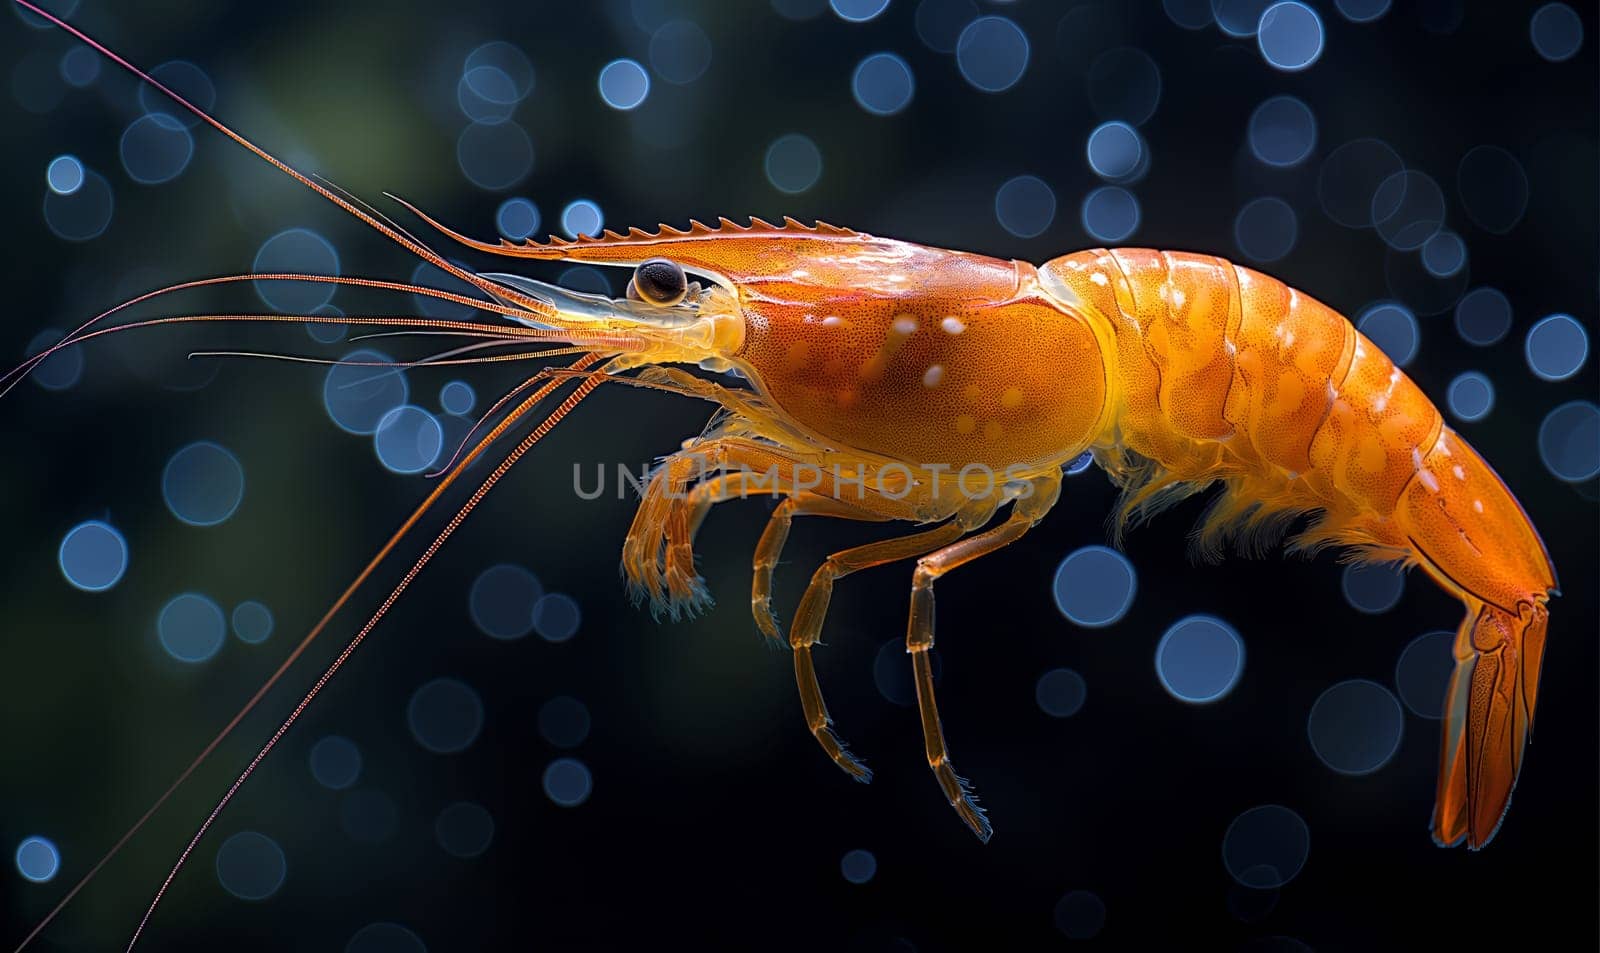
column 1229, row 375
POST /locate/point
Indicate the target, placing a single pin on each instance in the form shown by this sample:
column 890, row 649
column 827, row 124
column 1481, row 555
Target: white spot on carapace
column 1477, row 506
column 1380, row 404
column 1288, row 339
column 1423, row 473
column 905, row 325
column 1459, row 472
column 1361, row 352
column 1230, row 347
column 1178, row 297
column 897, row 278
column 1100, row 278
column 832, row 321
column 953, row 325
column 799, row 273
column 933, row 375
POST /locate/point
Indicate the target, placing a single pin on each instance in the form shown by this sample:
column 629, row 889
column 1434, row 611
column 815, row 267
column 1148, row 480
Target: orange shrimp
column 891, row 381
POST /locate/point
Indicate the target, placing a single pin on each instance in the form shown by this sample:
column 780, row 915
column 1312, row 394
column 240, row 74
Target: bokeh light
column 1493, row 188
column 80, row 66
column 93, row 556
column 1188, row 14
column 156, row 148
column 187, row 80
column 251, row 866
column 1355, row 726
column 1094, row 586
column 1569, row 441
column 324, row 332
column 882, row 84
column 408, row 440
column 508, row 60
column 624, row 84
column 358, row 396
column 680, row 52
column 1362, row 11
column 1470, row 396
column 1350, row 178
column 203, row 483
column 1025, row 206
column 582, row 217
column 1238, row 18
column 1557, row 347
column 517, row 218
column 191, row 627
column 457, row 398
column 1422, row 674
column 1266, row 847
column 1060, row 692
column 1124, row 84
column 1079, row 463
column 793, row 163
column 487, row 94
column 564, row 721
column 494, row 156
column 60, row 370
column 295, row 251
column 464, row 829
column 1394, row 329
column 1483, row 316
column 567, row 782
column 1116, row 151
column 1373, row 588
column 64, row 175
column 1407, row 209
column 1266, row 229
column 1444, row 254
column 1200, row 659
column 336, row 762
column 1282, row 132
column 445, row 716
column 85, row 213
column 1290, row 36
column 37, row 859
column 1556, row 31
column 858, row 11
column 1080, row 915
column 501, row 601
column 252, row 622
column 858, row 866
column 556, row 617
column 992, row 54
column 385, row 938
column 1110, row 214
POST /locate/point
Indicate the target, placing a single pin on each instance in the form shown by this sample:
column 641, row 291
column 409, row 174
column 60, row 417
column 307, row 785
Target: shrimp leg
column 770, row 548
column 919, row 632
column 814, row 606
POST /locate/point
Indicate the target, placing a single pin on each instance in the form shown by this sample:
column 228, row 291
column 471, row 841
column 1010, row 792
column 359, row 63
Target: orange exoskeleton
column 894, row 382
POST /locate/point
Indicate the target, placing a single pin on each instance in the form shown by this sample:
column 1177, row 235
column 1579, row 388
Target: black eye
column 659, row 282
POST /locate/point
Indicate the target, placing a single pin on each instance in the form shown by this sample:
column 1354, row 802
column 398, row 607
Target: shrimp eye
column 659, row 282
